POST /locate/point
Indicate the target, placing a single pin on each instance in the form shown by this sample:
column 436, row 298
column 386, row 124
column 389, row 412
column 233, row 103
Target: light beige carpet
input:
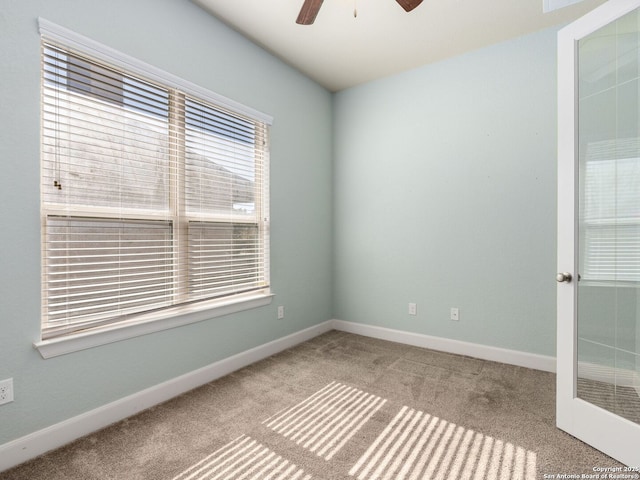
column 340, row 406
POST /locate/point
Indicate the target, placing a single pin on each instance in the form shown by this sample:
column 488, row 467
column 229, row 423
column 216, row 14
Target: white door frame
column 609, row 433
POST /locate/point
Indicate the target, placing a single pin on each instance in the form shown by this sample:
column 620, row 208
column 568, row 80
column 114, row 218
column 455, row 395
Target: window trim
column 107, row 54
column 178, row 315
column 152, row 322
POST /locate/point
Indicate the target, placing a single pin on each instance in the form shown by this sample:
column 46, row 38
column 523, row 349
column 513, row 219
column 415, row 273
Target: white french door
column 598, row 353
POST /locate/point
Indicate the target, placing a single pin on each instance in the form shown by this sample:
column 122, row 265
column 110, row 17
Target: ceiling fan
column 310, row 9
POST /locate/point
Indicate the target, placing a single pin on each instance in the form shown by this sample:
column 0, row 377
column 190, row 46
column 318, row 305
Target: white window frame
column 178, row 315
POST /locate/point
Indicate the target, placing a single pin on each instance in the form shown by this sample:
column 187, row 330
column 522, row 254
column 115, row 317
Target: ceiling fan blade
column 308, row 12
column 409, row 5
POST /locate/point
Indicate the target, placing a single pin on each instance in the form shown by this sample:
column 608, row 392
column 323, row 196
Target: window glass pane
column 220, row 161
column 105, row 136
column 101, row 269
column 224, row 258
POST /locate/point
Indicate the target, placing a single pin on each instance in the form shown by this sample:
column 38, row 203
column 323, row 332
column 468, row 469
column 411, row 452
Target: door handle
column 563, row 277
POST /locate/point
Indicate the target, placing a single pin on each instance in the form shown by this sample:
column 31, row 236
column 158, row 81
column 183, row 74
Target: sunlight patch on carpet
column 243, row 459
column 416, row 445
column 327, row 420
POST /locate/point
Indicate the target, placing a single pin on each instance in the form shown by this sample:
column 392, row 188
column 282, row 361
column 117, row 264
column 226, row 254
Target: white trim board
column 105, row 53
column 30, row 446
column 484, row 352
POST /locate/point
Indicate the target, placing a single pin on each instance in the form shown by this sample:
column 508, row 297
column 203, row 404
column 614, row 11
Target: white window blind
column 610, row 211
column 152, row 197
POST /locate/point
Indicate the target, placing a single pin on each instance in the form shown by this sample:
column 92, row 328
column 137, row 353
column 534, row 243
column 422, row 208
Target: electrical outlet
column 413, row 309
column 6, row 391
column 280, row 312
column 455, row 314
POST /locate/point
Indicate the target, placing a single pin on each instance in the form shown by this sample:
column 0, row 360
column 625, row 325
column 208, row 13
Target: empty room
column 306, row 239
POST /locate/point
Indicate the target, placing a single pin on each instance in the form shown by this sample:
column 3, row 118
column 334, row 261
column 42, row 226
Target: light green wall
column 445, row 195
column 179, row 37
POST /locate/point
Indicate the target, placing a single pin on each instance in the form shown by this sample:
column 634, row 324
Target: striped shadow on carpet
column 244, row 458
column 324, row 422
column 416, row 445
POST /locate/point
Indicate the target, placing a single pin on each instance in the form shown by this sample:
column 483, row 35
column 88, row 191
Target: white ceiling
column 340, row 51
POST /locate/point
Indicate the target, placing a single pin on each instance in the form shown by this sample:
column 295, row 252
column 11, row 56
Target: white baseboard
column 485, row 352
column 607, row 374
column 30, row 446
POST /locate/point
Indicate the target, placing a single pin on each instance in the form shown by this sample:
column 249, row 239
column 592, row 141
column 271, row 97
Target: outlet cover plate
column 6, row 391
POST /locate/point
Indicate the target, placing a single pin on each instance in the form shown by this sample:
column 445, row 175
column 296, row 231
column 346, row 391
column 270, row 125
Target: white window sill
column 151, row 323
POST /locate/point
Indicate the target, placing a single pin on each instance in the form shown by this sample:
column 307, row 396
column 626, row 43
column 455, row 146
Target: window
column 153, row 198
column 610, row 221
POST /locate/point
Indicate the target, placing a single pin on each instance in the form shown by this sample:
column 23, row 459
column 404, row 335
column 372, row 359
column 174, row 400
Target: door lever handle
column 563, row 277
